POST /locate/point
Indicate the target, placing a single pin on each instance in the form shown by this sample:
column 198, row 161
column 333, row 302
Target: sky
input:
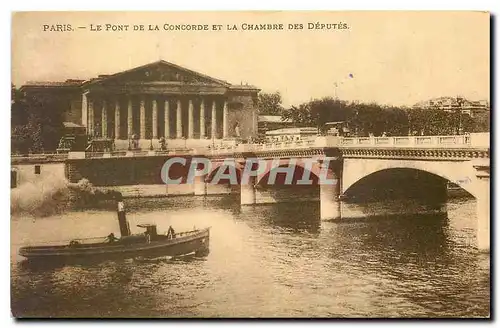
column 396, row 58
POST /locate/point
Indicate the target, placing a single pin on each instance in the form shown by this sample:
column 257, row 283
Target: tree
column 327, row 110
column 364, row 119
column 317, row 112
column 299, row 115
column 396, row 121
column 433, row 121
column 481, row 123
column 36, row 122
column 270, row 103
column 17, row 107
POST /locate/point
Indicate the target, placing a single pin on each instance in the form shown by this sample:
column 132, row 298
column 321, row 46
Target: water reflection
column 286, row 217
column 272, row 260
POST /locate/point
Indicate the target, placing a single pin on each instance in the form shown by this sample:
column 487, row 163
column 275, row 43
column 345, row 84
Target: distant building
column 271, row 122
column 453, row 104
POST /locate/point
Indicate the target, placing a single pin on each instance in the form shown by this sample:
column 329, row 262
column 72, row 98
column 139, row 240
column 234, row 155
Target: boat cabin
column 150, row 229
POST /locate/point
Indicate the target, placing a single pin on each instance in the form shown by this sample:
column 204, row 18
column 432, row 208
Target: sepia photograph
column 250, row 164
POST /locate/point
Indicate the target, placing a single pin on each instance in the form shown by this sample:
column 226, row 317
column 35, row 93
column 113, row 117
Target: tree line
column 36, row 123
column 365, row 119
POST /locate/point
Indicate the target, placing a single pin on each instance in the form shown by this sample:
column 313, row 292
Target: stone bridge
column 431, row 162
column 420, row 165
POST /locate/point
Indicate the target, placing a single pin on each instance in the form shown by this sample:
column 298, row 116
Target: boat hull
column 197, row 243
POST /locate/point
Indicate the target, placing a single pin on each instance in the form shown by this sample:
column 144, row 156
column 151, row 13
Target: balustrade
column 413, row 141
column 459, row 141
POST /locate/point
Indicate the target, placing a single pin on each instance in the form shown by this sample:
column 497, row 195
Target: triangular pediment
column 160, row 71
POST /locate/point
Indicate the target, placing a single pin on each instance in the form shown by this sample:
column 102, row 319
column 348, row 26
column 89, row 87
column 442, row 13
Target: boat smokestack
column 122, row 219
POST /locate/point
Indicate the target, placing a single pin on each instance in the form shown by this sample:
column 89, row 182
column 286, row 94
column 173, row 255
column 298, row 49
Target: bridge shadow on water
column 289, row 217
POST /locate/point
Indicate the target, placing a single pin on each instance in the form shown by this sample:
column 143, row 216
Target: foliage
column 36, row 122
column 270, row 103
column 364, row 119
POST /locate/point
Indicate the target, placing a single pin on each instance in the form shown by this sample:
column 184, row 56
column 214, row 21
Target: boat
column 149, row 244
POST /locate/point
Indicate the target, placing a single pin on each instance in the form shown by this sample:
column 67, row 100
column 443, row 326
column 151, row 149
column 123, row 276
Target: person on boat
column 111, row 238
column 148, row 237
column 170, row 233
column 74, row 243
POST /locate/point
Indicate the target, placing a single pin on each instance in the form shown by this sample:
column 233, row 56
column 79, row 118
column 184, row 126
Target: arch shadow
column 299, row 174
column 401, row 183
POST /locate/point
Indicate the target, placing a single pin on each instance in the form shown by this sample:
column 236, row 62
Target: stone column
column 202, row 120
column 85, row 109
column 117, row 119
column 91, row 117
column 142, row 118
column 179, row 120
column 130, row 118
column 167, row 119
column 483, row 214
column 224, row 121
column 214, row 119
column 155, row 119
column 191, row 120
column 329, row 193
column 104, row 122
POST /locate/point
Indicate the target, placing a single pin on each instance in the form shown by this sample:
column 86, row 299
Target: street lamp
column 460, row 103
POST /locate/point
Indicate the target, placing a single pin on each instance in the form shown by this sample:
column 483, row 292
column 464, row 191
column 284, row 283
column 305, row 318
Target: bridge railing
column 458, row 141
column 140, row 153
column 260, row 147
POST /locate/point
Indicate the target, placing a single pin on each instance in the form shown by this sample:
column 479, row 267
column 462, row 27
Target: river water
column 266, row 261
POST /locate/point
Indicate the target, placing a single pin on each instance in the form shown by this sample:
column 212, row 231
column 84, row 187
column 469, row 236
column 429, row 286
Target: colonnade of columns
column 206, row 106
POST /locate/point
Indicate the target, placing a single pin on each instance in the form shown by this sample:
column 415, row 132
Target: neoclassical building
column 156, row 100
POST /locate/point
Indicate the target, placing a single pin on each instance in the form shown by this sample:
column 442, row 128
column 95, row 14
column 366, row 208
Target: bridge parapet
column 459, row 141
column 318, row 142
column 472, row 141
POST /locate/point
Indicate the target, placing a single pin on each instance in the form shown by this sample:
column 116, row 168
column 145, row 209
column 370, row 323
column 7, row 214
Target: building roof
column 71, row 83
column 161, row 63
column 272, row 119
column 104, row 77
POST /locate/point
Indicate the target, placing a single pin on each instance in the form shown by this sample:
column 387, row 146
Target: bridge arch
column 224, row 168
column 300, row 173
column 460, row 173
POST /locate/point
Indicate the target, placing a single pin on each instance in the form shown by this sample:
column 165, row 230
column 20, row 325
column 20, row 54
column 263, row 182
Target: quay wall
column 35, row 172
